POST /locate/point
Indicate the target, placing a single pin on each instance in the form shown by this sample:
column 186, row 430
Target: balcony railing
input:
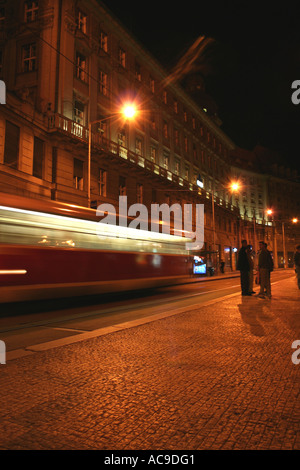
column 60, row 123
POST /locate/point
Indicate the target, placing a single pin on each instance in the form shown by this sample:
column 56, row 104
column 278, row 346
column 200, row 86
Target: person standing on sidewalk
column 251, row 264
column 297, row 264
column 244, row 267
column 265, row 266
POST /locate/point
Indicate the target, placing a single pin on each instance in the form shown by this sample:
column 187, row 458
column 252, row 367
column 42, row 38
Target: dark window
column 11, row 149
column 78, row 174
column 38, row 157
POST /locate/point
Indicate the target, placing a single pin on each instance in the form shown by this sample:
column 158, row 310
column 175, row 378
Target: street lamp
column 128, row 112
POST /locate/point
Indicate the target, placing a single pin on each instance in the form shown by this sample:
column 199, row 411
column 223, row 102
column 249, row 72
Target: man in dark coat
column 297, row 264
column 244, row 267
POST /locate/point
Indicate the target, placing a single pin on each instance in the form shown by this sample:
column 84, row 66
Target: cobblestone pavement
column 215, row 377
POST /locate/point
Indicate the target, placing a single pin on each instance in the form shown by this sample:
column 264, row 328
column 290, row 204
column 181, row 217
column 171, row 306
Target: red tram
column 51, row 249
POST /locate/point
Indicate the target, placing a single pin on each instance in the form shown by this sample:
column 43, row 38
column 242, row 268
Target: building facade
column 74, row 63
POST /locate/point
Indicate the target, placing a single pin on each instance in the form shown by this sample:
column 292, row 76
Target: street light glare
column 269, row 211
column 295, row 220
column 235, row 186
column 129, row 111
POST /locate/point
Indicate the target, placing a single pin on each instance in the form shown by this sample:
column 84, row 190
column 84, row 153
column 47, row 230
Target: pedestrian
column 222, row 265
column 265, row 266
column 251, row 264
column 244, row 267
column 297, row 264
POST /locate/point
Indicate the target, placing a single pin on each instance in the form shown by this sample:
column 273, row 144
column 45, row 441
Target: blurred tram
column 52, row 249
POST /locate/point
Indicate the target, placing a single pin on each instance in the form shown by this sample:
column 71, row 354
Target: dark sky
column 255, row 59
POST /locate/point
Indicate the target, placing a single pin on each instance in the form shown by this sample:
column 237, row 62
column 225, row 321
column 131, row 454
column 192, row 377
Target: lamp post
column 294, row 221
column 128, row 112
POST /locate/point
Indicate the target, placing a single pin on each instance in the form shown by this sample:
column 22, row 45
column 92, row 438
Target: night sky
column 253, row 62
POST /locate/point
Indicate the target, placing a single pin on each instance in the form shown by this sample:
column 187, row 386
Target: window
column 153, row 154
column 78, row 174
column 122, row 186
column 79, row 112
column 194, row 123
column 177, row 167
column 138, row 146
column 185, row 116
column 103, row 83
column 166, row 161
column 103, row 41
column 165, row 130
column 122, row 138
column 139, row 193
column 195, row 151
column 186, row 144
column 152, row 84
column 31, row 9
column 81, row 21
column 122, row 57
column 138, row 73
column 11, row 148
column 176, row 136
column 102, row 182
column 176, row 106
column 153, row 122
column 81, row 67
column 2, row 18
column 38, row 158
column 29, row 57
column 186, row 172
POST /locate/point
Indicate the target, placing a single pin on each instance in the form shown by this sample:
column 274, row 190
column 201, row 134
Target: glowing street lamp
column 128, row 111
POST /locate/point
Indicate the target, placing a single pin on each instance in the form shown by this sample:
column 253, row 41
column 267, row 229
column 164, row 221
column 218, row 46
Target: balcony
column 59, row 123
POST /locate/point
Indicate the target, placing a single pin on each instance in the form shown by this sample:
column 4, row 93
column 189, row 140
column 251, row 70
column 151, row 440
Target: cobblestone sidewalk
column 215, row 377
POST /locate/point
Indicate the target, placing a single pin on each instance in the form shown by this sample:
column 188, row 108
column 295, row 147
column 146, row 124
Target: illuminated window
column 103, row 41
column 11, row 148
column 29, row 57
column 102, row 182
column 79, row 112
column 103, row 83
column 78, row 174
column 31, row 9
column 38, row 158
column 153, row 154
column 81, row 21
column 81, row 67
column 186, row 172
column 122, row 57
column 185, row 116
column 138, row 146
column 165, row 130
column 166, row 161
column 122, row 138
column 177, row 167
column 186, row 144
